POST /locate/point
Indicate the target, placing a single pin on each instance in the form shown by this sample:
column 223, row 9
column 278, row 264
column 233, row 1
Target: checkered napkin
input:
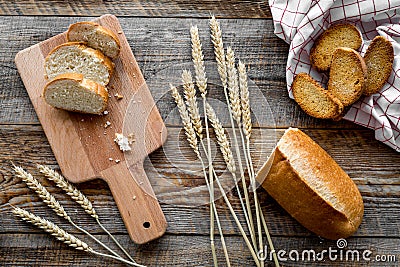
column 300, row 22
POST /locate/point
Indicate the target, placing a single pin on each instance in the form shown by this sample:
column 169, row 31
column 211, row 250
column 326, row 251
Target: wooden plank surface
column 149, row 8
column 159, row 44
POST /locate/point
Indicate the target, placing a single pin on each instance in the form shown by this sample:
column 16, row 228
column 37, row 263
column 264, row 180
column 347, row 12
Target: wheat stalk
column 216, row 38
column 61, row 234
column 79, row 198
column 191, row 138
column 191, row 102
column 198, row 61
column 53, row 229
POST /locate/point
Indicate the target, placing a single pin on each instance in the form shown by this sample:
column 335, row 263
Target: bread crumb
column 82, row 119
column 107, row 124
column 134, row 197
column 110, row 159
column 122, row 141
column 117, row 161
column 131, row 138
column 118, row 96
column 119, row 32
column 105, row 112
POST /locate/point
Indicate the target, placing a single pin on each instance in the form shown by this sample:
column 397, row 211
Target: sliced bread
column 95, row 36
column 339, row 35
column 379, row 60
column 72, row 92
column 314, row 99
column 76, row 57
column 347, row 75
column 302, row 177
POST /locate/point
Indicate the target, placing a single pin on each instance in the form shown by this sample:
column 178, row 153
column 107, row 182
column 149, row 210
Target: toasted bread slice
column 72, row 92
column 76, row 57
column 379, row 60
column 347, row 75
column 339, row 35
column 95, row 36
column 314, row 99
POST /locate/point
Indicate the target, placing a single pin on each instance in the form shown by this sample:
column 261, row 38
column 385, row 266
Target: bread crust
column 88, row 84
column 306, row 104
column 324, row 47
column 355, row 80
column 82, row 46
column 381, row 50
column 98, row 28
column 318, row 194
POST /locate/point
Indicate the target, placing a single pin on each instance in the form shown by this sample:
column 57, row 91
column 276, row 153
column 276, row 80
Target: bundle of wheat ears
column 234, row 82
column 53, row 229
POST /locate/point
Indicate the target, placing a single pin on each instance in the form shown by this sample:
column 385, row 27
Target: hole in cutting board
column 146, row 225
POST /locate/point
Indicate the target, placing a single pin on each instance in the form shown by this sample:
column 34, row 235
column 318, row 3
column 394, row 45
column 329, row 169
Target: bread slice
column 312, row 187
column 95, row 36
column 347, row 75
column 379, row 60
column 339, row 35
column 72, row 92
column 314, row 99
column 76, row 57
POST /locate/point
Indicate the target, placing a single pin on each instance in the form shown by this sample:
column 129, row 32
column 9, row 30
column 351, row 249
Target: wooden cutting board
column 85, row 148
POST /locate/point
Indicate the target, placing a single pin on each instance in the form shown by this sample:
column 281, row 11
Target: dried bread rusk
column 72, row 92
column 379, row 60
column 312, row 187
column 95, row 36
column 314, row 99
column 76, row 57
column 347, row 75
column 339, row 35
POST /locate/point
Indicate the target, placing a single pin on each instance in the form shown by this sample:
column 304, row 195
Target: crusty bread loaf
column 71, row 91
column 347, row 75
column 314, row 99
column 76, row 57
column 312, row 187
column 379, row 60
column 339, row 35
column 95, row 36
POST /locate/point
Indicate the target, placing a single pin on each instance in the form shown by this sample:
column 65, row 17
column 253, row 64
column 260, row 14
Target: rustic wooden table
column 158, row 32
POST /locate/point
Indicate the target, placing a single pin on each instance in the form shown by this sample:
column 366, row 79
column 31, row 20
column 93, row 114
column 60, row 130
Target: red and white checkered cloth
column 300, row 22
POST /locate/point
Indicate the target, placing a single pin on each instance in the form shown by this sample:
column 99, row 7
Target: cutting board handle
column 139, row 208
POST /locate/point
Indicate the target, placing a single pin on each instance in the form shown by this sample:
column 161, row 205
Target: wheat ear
column 198, row 61
column 79, row 198
column 53, row 229
column 61, row 234
column 245, row 101
column 49, row 199
column 191, row 102
column 233, row 85
column 216, row 38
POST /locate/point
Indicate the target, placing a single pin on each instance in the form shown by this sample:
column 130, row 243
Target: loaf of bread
column 347, row 75
column 76, row 57
column 314, row 99
column 95, row 36
column 312, row 187
column 71, row 91
column 379, row 60
column 339, row 35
